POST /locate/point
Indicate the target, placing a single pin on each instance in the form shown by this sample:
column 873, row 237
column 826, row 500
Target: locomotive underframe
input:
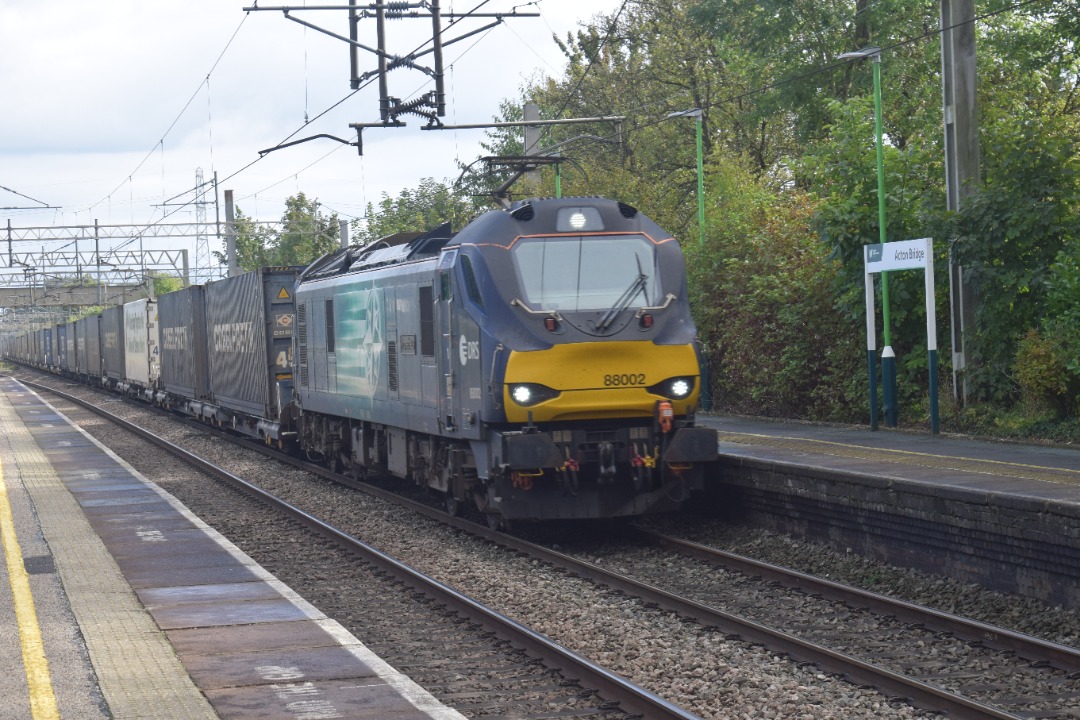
column 530, row 474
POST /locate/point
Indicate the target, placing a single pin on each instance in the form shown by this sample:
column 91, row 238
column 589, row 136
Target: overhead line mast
column 430, row 106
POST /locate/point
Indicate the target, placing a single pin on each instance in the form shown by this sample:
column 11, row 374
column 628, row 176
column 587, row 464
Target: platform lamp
column 697, row 114
column 888, row 357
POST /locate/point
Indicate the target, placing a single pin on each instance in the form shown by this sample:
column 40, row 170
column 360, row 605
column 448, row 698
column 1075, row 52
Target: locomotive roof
column 541, row 216
column 527, row 217
column 389, row 250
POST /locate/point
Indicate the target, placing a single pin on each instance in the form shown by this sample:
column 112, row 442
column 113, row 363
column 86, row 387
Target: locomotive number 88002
column 538, row 364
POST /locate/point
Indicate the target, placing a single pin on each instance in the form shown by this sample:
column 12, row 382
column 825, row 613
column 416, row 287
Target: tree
column 427, row 206
column 252, row 244
column 1011, row 236
column 301, row 236
column 166, row 283
column 763, row 297
column 304, row 236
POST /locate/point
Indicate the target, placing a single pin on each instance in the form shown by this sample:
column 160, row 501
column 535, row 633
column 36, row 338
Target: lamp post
column 697, row 114
column 888, row 357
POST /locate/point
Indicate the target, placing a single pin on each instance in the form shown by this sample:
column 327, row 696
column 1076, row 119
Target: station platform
column 120, row 603
column 1003, row 515
column 942, row 459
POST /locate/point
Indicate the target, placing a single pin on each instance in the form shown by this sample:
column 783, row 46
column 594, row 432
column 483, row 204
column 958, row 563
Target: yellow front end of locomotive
column 616, row 379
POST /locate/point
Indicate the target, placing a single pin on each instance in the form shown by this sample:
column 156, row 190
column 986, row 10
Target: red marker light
column 551, row 324
column 646, row 320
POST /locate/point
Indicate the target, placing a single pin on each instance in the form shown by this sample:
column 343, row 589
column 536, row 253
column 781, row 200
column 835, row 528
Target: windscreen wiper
column 636, row 287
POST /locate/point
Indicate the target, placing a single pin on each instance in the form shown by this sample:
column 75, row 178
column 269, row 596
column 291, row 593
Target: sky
column 107, row 109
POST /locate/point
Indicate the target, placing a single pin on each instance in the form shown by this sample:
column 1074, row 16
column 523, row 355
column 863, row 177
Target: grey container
column 87, row 347
column 184, row 363
column 61, row 347
column 54, row 345
column 112, row 342
column 71, row 356
column 249, row 328
column 46, row 346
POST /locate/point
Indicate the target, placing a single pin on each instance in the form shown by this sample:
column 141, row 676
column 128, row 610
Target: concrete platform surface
column 120, row 603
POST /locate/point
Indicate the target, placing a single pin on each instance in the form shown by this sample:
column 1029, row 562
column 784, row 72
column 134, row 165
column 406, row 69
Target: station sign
column 902, row 255
column 889, row 257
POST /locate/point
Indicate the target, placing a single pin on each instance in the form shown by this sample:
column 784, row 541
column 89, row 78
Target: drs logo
column 468, row 350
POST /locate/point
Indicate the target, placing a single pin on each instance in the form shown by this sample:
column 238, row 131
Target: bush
column 1042, row 374
column 763, row 292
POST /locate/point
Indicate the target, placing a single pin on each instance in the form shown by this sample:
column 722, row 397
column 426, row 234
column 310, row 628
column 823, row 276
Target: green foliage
column 1062, row 324
column 1043, row 376
column 85, row 311
column 304, row 235
column 167, row 284
column 424, row 208
column 762, row 291
column 252, row 244
column 1009, row 235
column 841, row 171
column 301, row 236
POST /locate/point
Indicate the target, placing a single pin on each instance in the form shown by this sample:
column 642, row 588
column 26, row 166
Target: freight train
column 538, row 364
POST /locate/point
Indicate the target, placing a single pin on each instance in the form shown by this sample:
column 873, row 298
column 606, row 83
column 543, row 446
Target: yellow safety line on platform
column 951, row 461
column 42, row 699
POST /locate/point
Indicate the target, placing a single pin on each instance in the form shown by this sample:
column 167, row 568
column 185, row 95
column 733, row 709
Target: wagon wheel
column 495, row 521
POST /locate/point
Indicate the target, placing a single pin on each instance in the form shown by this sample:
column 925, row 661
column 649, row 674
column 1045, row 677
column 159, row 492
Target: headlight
column 529, row 394
column 675, row 388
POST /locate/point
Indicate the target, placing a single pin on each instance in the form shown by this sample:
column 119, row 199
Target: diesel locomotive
column 538, row 364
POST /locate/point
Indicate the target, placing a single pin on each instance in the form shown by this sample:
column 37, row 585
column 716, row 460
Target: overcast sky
column 108, row 108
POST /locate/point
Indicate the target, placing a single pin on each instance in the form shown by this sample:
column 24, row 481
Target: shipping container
column 70, row 352
column 141, row 354
column 249, row 326
column 14, row 345
column 47, row 356
column 184, row 365
column 88, row 347
column 112, row 343
column 33, row 338
column 61, row 347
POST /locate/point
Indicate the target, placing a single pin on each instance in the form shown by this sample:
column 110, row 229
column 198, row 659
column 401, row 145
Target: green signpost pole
column 700, row 183
column 888, row 357
column 697, row 114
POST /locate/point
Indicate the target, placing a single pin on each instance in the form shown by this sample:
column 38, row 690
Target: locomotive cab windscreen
column 600, row 275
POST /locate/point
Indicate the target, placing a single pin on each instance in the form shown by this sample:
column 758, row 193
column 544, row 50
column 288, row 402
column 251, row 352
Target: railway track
column 481, row 662
column 939, row 662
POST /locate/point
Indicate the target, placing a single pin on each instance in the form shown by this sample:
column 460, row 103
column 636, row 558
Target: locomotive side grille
column 391, row 359
column 301, row 344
